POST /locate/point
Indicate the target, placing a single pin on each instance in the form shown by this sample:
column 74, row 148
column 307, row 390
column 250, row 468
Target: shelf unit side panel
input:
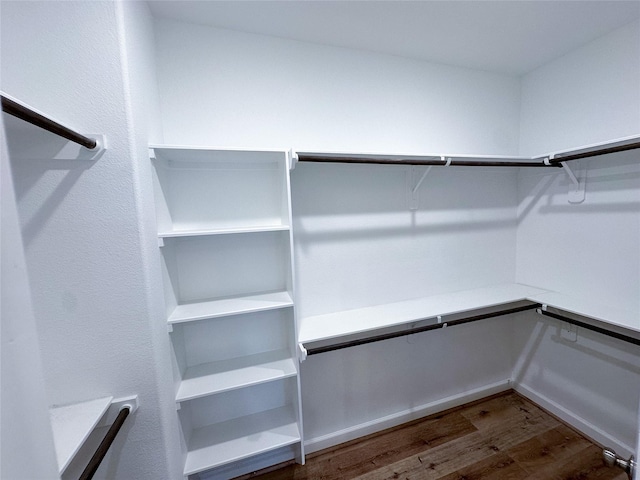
column 241, row 335
column 170, row 280
column 179, row 356
column 230, row 265
column 291, row 282
column 161, row 194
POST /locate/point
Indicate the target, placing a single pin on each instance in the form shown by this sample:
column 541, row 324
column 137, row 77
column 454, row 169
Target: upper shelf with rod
column 559, row 159
column 28, row 143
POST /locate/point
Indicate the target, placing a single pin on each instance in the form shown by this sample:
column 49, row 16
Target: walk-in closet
column 240, row 236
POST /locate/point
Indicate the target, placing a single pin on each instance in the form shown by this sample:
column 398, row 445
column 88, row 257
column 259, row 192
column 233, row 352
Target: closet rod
column 426, row 328
column 594, row 153
column 588, row 326
column 28, row 115
column 103, row 448
column 320, row 158
column 547, row 161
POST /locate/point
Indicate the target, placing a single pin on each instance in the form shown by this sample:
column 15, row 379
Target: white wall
column 589, row 95
column 221, row 88
column 26, row 442
column 592, row 247
column 86, row 252
column 589, row 251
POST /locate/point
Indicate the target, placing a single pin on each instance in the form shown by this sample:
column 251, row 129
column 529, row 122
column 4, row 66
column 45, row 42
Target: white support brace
column 576, row 193
column 413, row 194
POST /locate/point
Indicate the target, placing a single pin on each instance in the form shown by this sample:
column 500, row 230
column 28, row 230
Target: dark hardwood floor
column 505, row 437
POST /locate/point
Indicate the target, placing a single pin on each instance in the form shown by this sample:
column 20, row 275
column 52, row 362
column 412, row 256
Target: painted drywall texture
column 80, row 222
column 225, row 88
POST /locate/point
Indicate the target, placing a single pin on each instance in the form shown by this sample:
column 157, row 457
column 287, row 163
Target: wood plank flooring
column 504, row 437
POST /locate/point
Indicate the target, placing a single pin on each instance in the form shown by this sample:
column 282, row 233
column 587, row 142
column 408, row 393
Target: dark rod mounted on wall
column 588, row 326
column 319, row 158
column 28, row 115
column 103, row 448
column 426, row 328
column 594, row 153
column 454, row 161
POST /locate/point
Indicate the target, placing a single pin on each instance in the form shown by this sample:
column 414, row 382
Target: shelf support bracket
column 576, row 192
column 413, row 194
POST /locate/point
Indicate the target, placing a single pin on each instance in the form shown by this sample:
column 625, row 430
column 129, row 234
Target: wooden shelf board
column 227, row 442
column 222, row 376
column 230, row 306
column 333, row 325
column 222, row 231
column 72, row 425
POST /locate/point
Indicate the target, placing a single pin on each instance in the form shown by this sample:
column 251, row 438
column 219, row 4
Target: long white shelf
column 347, row 322
column 197, row 232
column 190, row 312
column 589, row 308
column 227, row 442
column 217, row 377
column 72, row 425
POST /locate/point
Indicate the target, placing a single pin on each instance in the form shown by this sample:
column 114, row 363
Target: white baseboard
column 382, row 423
column 582, row 425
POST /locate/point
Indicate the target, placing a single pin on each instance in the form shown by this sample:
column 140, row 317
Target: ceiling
column 510, row 37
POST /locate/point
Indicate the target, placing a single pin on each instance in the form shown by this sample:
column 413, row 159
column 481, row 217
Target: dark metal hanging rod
column 444, row 323
column 453, row 161
column 588, row 326
column 20, row 111
column 103, row 448
column 594, row 153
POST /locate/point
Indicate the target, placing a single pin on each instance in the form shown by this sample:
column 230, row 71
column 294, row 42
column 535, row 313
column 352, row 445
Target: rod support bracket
column 292, row 159
column 117, row 404
column 302, row 353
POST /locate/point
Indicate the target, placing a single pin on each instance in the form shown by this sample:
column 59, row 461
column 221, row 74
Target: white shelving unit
column 224, row 232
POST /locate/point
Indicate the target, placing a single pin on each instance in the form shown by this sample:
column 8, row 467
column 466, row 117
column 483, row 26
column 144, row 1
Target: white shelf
column 332, row 325
column 227, row 442
column 222, row 376
column 184, row 153
column 190, row 312
column 72, row 425
column 588, row 308
column 222, row 231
